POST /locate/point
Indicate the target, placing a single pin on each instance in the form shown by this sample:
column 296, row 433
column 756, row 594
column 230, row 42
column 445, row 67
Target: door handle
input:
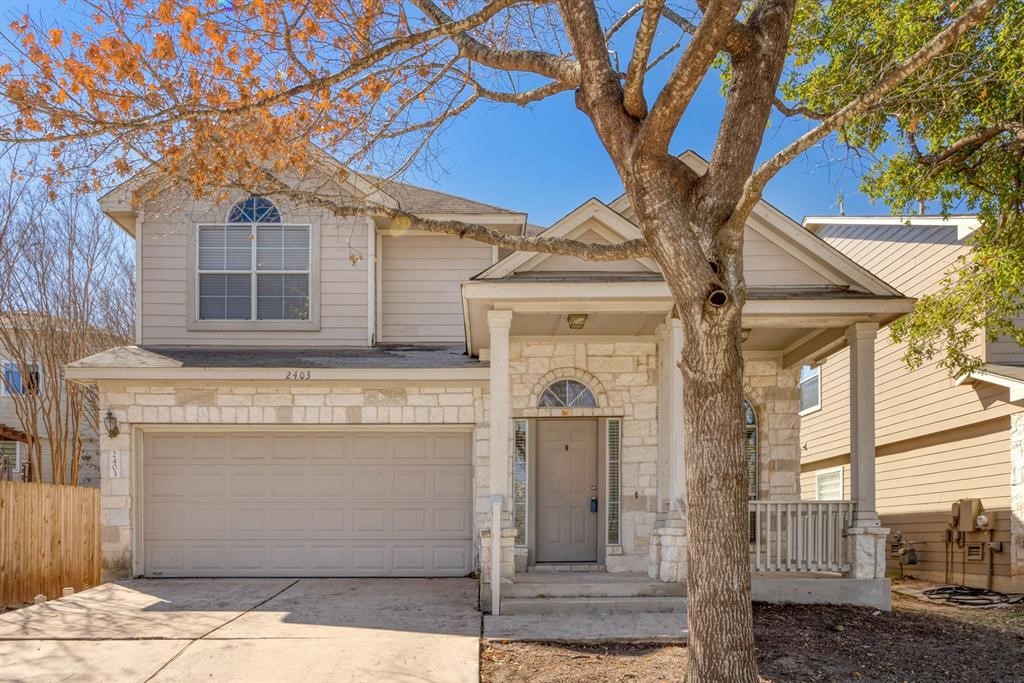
column 593, row 503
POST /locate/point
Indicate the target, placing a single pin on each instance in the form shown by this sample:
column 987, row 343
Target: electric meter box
column 965, row 513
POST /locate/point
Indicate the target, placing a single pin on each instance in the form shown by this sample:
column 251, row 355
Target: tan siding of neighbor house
column 1004, row 351
column 167, row 266
column 918, row 480
column 909, row 404
column 421, row 278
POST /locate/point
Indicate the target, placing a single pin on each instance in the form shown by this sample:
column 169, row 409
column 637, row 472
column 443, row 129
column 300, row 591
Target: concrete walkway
column 401, row 630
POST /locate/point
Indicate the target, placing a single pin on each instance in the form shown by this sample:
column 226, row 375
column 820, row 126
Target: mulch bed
column 917, row 641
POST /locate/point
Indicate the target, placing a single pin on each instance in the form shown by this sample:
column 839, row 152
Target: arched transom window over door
column 567, row 393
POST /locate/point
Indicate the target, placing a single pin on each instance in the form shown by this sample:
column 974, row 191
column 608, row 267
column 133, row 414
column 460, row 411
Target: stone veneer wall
column 247, row 404
column 1017, row 494
column 774, row 393
column 624, row 377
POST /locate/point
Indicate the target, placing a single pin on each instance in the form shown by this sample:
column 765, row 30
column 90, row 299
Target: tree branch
column 739, row 38
column 633, row 100
column 797, row 110
column 708, row 39
column 964, row 144
column 942, row 42
column 533, row 61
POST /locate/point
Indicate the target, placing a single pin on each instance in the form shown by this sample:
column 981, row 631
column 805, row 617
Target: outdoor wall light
column 744, row 334
column 576, row 320
column 110, row 422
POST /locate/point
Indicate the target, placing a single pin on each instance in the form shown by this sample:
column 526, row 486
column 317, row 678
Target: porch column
column 677, row 452
column 499, row 323
column 866, row 537
column 861, row 337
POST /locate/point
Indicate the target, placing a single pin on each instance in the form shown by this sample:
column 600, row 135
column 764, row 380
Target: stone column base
column 866, row 550
column 508, row 563
column 668, row 548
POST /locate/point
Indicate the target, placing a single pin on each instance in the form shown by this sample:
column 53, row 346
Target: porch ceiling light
column 576, row 320
column 110, row 423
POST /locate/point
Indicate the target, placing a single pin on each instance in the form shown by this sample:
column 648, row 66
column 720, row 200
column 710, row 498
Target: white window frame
column 5, row 363
column 816, row 407
column 312, row 322
column 829, row 470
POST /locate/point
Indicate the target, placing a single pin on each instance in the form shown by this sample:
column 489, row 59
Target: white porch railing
column 800, row 536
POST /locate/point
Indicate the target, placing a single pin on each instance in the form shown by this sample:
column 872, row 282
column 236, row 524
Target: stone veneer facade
column 623, row 375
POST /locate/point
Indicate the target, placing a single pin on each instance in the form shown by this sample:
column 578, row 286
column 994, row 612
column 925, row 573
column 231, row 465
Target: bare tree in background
column 67, row 293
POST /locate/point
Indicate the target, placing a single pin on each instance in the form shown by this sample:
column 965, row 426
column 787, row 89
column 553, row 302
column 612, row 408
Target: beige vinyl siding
column 765, row 265
column 908, row 404
column 1004, row 351
column 559, row 263
column 917, row 482
column 421, row 285
column 165, row 243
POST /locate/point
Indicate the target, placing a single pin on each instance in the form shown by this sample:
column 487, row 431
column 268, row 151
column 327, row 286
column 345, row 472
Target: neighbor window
column 15, row 382
column 810, row 388
column 828, row 484
column 254, row 268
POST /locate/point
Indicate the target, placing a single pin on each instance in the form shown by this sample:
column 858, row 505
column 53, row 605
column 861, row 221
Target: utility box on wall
column 966, row 512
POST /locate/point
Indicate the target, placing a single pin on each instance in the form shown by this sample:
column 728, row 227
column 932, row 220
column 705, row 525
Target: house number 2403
column 299, row 374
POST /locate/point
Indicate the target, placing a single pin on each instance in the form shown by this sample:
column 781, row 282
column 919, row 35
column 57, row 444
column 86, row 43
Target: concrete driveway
column 401, row 630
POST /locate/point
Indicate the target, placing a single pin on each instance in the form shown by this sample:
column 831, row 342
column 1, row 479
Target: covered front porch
column 585, row 470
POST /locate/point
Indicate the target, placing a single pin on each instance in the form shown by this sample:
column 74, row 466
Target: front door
column 566, row 482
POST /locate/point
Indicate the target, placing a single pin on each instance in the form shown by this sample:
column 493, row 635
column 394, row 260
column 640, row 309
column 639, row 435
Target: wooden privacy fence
column 49, row 540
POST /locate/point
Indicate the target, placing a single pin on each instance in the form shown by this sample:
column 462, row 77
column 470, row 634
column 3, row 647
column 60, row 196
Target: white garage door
column 307, row 504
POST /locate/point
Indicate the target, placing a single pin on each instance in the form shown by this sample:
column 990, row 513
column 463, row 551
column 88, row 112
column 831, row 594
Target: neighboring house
column 315, row 396
column 15, row 464
column 938, row 439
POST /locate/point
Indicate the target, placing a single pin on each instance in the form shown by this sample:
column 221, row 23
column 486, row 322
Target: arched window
column 567, row 393
column 750, row 448
column 254, row 210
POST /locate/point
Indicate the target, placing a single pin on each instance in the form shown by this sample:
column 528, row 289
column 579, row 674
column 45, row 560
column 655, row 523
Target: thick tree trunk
column 718, row 579
column 718, row 564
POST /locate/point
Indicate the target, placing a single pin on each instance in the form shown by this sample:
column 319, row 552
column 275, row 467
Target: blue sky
column 546, row 159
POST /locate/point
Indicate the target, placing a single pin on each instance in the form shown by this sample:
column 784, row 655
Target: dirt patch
column 917, row 641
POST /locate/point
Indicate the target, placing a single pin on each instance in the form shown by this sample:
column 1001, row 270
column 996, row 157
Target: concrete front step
column 593, row 606
column 597, row 586
column 661, row 627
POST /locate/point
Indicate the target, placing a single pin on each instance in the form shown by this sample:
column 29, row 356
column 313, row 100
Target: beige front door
column 566, row 482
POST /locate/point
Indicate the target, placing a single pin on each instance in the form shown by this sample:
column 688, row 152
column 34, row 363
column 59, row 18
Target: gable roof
column 612, row 226
column 118, row 202
column 794, row 239
column 422, row 200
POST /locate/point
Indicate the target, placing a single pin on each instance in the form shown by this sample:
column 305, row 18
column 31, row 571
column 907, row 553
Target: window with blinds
column 520, row 463
column 254, row 268
column 614, row 506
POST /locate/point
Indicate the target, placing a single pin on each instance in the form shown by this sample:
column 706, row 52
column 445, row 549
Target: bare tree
column 213, row 96
column 67, row 293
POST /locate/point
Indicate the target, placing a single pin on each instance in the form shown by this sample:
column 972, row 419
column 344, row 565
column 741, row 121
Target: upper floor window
column 255, row 268
column 810, row 389
column 16, row 383
column 567, row 393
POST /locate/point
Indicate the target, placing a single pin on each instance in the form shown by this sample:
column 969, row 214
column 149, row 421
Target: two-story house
column 315, row 396
column 939, row 439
